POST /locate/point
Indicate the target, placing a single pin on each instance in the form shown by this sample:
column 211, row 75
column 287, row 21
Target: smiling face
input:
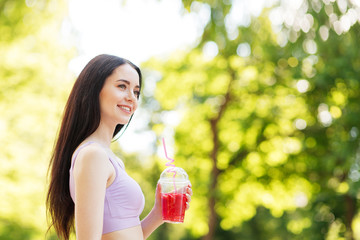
column 119, row 95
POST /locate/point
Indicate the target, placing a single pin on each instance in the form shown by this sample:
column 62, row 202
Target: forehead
column 125, row 72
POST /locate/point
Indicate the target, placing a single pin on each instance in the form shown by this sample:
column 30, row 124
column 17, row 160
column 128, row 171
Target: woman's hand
column 157, row 204
column 188, row 196
column 154, row 219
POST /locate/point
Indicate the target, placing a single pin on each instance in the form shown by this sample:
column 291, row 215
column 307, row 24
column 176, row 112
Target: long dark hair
column 81, row 118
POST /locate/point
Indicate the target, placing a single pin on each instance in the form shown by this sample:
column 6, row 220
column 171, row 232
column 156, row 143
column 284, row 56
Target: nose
column 131, row 97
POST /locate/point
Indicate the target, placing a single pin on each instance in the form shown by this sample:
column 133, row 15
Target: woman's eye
column 137, row 93
column 122, row 86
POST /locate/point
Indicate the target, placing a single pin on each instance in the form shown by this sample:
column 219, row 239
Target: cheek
column 135, row 106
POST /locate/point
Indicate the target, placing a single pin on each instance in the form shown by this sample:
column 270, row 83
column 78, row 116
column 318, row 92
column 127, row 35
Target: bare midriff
column 133, row 233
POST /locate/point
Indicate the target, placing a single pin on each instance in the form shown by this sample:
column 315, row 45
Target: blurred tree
column 323, row 38
column 269, row 110
column 34, row 81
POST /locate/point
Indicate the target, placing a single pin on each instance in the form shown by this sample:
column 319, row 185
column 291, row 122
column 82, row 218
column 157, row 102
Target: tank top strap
column 116, row 163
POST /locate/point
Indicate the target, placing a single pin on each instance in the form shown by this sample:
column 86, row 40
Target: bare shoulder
column 92, row 158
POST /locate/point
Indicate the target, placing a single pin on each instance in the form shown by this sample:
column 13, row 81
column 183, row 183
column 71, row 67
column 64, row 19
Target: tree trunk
column 212, row 222
column 350, row 213
column 213, row 183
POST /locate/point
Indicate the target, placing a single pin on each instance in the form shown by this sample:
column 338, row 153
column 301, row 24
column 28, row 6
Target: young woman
column 88, row 183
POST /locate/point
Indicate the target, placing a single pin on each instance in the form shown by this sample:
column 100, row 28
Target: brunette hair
column 81, row 118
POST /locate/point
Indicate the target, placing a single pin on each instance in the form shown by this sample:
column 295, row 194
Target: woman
column 88, row 182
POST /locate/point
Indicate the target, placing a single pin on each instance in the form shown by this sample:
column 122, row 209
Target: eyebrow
column 127, row 82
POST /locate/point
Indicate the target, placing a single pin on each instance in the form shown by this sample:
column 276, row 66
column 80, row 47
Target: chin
column 124, row 121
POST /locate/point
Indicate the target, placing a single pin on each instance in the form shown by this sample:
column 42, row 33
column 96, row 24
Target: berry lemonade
column 173, row 207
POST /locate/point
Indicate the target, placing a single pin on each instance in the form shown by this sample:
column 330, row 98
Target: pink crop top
column 124, row 200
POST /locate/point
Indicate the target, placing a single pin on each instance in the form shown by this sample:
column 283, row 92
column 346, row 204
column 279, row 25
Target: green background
column 268, row 129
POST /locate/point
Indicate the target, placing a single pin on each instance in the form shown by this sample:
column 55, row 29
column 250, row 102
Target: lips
column 124, row 108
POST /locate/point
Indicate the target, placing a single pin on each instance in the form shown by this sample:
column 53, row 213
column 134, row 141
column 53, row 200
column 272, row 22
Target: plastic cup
column 174, row 182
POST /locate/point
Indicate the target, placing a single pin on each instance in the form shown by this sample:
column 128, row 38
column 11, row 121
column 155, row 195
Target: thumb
column 158, row 188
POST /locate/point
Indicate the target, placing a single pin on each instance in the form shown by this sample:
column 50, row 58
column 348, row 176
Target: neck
column 102, row 135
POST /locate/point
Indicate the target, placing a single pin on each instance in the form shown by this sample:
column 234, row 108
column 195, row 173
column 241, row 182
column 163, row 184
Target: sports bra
column 124, row 199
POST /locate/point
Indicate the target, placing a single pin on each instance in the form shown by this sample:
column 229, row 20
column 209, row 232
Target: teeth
column 125, row 108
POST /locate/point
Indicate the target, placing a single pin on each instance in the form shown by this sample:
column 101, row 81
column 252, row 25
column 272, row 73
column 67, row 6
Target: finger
column 188, row 198
column 189, row 191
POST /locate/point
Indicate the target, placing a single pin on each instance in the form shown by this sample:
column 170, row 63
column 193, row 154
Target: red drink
column 173, row 207
column 174, row 183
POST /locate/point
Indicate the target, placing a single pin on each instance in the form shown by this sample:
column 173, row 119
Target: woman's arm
column 154, row 219
column 91, row 172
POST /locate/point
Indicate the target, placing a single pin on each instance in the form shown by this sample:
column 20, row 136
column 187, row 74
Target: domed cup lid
column 176, row 174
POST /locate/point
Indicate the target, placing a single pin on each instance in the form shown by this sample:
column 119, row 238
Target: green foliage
column 272, row 138
column 12, row 230
column 34, row 81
